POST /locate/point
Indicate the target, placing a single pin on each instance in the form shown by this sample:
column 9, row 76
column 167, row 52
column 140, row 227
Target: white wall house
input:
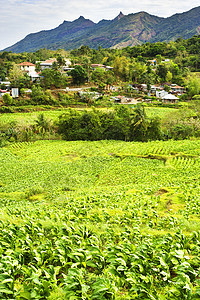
column 177, row 89
column 27, row 67
column 47, row 64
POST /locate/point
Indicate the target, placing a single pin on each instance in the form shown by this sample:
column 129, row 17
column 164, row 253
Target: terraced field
column 100, row 220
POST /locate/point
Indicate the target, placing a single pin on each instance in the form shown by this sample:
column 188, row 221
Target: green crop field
column 30, row 117
column 160, row 111
column 100, row 220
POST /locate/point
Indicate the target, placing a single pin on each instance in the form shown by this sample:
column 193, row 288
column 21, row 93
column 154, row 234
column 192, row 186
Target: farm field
column 160, row 111
column 29, row 118
column 100, row 220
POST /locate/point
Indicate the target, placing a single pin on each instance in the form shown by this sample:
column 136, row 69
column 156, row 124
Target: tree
column 15, row 75
column 139, row 124
column 79, row 75
column 169, row 76
column 193, row 85
column 158, row 59
column 162, row 72
column 43, row 124
column 121, row 67
column 52, row 78
column 39, row 97
column 60, row 60
column 98, row 75
column 137, row 70
column 167, row 88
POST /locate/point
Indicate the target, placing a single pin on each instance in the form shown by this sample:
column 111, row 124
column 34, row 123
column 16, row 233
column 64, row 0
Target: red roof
column 26, row 63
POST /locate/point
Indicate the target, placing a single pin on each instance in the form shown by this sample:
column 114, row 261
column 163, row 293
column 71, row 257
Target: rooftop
column 26, row 63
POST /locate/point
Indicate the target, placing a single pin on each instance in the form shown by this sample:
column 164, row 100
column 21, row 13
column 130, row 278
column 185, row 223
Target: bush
column 7, row 99
column 6, row 109
column 38, row 96
column 181, row 131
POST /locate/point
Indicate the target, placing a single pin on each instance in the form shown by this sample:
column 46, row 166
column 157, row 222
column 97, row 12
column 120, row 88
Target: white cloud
column 21, row 17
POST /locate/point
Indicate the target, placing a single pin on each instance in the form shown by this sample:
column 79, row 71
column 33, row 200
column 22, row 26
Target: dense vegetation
column 100, row 220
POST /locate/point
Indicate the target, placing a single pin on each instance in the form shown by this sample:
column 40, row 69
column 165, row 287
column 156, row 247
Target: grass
column 159, row 111
column 23, row 119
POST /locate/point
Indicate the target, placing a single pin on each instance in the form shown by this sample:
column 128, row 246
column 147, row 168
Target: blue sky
column 21, row 17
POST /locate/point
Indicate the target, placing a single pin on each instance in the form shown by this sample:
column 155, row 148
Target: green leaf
column 5, row 291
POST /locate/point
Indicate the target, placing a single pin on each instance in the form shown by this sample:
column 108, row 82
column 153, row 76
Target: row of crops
column 100, row 220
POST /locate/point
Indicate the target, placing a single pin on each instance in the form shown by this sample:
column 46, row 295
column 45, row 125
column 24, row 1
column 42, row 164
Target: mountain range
column 124, row 30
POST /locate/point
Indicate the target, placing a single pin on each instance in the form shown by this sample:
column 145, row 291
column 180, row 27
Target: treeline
column 122, row 123
column 129, row 124
column 185, row 52
column 119, row 124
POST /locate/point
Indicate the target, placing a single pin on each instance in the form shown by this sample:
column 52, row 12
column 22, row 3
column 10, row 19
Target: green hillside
column 129, row 30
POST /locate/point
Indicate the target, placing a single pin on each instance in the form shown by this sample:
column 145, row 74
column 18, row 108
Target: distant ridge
column 124, row 30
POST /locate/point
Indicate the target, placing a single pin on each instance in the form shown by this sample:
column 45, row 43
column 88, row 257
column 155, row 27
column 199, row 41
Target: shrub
column 7, row 99
column 6, row 109
column 181, row 131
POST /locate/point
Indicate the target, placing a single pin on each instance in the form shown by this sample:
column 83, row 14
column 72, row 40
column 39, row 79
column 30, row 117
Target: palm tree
column 43, row 124
column 139, row 123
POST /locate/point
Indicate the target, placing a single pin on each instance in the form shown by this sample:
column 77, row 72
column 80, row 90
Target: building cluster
column 30, row 70
column 159, row 91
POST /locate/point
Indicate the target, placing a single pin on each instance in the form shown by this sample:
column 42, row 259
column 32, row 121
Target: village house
column 67, row 65
column 114, row 88
column 47, row 64
column 169, row 98
column 29, row 68
column 152, row 62
column 176, row 89
column 94, row 66
column 161, row 93
column 155, row 88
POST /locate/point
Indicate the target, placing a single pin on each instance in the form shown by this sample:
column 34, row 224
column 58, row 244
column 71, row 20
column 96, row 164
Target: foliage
column 100, row 220
column 122, row 124
column 7, row 99
column 193, row 83
column 52, row 78
column 38, row 96
column 79, row 75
